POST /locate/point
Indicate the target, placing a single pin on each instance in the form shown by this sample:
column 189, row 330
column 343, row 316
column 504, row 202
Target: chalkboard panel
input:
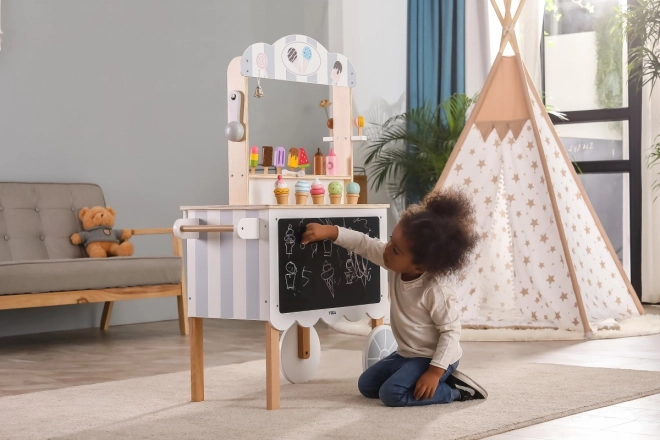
column 323, row 275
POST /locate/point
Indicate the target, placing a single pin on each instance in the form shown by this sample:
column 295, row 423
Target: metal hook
column 259, row 93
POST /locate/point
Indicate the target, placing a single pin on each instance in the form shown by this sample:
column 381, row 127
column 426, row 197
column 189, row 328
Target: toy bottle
column 331, row 163
column 319, row 163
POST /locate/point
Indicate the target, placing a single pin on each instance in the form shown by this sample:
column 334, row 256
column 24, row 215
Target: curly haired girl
column 433, row 241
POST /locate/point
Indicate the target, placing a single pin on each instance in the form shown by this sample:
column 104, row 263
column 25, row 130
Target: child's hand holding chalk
column 316, row 232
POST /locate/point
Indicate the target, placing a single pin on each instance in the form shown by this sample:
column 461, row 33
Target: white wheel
column 380, row 344
column 294, row 369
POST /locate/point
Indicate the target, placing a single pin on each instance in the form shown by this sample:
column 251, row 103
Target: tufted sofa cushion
column 37, row 219
column 40, row 276
column 36, row 254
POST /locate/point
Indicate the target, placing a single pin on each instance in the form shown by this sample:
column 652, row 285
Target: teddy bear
column 99, row 238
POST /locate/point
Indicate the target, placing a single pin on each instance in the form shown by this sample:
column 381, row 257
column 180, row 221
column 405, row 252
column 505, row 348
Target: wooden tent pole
column 497, row 11
column 551, row 192
column 518, row 11
column 468, row 124
column 507, row 9
column 631, row 290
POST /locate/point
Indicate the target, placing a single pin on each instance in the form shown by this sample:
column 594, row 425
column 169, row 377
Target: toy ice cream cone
column 335, row 189
column 281, row 191
column 352, row 199
column 318, row 192
column 352, row 193
column 302, row 192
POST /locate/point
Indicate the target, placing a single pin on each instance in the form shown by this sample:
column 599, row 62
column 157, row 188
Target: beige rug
column 328, row 408
column 645, row 325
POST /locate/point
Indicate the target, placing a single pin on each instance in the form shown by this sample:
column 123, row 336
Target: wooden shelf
column 273, row 176
column 353, row 139
column 291, row 206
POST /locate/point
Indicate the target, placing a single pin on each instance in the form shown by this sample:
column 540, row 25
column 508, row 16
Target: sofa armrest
column 177, row 244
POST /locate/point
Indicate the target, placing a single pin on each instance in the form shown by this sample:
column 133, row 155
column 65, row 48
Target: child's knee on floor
column 392, row 395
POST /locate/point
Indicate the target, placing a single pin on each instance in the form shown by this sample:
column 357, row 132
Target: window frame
column 631, row 166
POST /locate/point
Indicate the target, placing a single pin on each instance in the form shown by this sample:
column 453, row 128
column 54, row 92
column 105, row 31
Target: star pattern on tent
column 521, row 250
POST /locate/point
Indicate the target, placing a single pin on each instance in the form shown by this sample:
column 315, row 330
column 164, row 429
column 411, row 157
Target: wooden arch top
column 298, row 58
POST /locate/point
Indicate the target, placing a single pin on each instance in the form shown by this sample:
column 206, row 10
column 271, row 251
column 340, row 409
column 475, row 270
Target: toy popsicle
column 303, row 161
column 280, row 159
column 267, row 160
column 293, row 158
column 254, row 159
column 359, row 123
column 330, row 124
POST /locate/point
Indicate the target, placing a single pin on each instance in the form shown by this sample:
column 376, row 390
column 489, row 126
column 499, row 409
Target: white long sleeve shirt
column 423, row 313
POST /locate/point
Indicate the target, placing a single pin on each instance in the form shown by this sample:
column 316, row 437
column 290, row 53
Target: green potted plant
column 429, row 135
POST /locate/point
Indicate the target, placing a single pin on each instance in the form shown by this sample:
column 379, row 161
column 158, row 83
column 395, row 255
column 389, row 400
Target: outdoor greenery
column 641, row 24
column 609, row 62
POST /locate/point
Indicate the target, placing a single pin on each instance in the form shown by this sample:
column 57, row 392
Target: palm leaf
column 413, row 147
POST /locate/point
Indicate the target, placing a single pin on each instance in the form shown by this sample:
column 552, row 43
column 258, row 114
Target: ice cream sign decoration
column 298, row 58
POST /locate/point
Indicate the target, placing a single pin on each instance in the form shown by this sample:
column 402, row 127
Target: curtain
column 436, row 50
column 483, row 32
column 650, row 208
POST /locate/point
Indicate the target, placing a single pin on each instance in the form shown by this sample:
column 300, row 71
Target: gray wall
column 132, row 95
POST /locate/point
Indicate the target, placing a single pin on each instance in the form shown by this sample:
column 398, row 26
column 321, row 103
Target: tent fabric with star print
column 544, row 260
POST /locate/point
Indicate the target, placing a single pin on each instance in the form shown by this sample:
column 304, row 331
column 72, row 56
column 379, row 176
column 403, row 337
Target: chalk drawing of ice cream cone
column 327, row 275
column 289, row 240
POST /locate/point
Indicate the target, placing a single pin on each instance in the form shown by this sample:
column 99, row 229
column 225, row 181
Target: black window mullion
column 603, row 166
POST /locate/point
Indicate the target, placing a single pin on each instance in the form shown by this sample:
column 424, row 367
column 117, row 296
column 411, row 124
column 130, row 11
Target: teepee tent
column 544, row 260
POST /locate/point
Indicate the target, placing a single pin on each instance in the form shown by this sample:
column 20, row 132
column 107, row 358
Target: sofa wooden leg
column 107, row 313
column 182, row 303
column 197, row 360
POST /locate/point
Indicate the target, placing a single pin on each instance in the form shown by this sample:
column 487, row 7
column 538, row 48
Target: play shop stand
column 245, row 260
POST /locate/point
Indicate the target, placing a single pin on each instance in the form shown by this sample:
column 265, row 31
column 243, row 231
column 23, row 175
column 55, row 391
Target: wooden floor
column 56, row 360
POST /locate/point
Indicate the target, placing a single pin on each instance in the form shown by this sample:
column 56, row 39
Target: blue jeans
column 393, row 380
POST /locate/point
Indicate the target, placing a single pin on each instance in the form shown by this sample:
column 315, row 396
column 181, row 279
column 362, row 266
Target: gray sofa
column 39, row 266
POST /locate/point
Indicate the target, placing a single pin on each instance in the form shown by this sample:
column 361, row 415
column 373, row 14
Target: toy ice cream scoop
column 318, row 192
column 281, row 191
column 352, row 193
column 335, row 190
column 280, row 159
column 293, row 158
column 254, row 158
column 302, row 192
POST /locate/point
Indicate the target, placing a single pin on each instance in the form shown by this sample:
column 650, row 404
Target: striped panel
column 225, row 272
